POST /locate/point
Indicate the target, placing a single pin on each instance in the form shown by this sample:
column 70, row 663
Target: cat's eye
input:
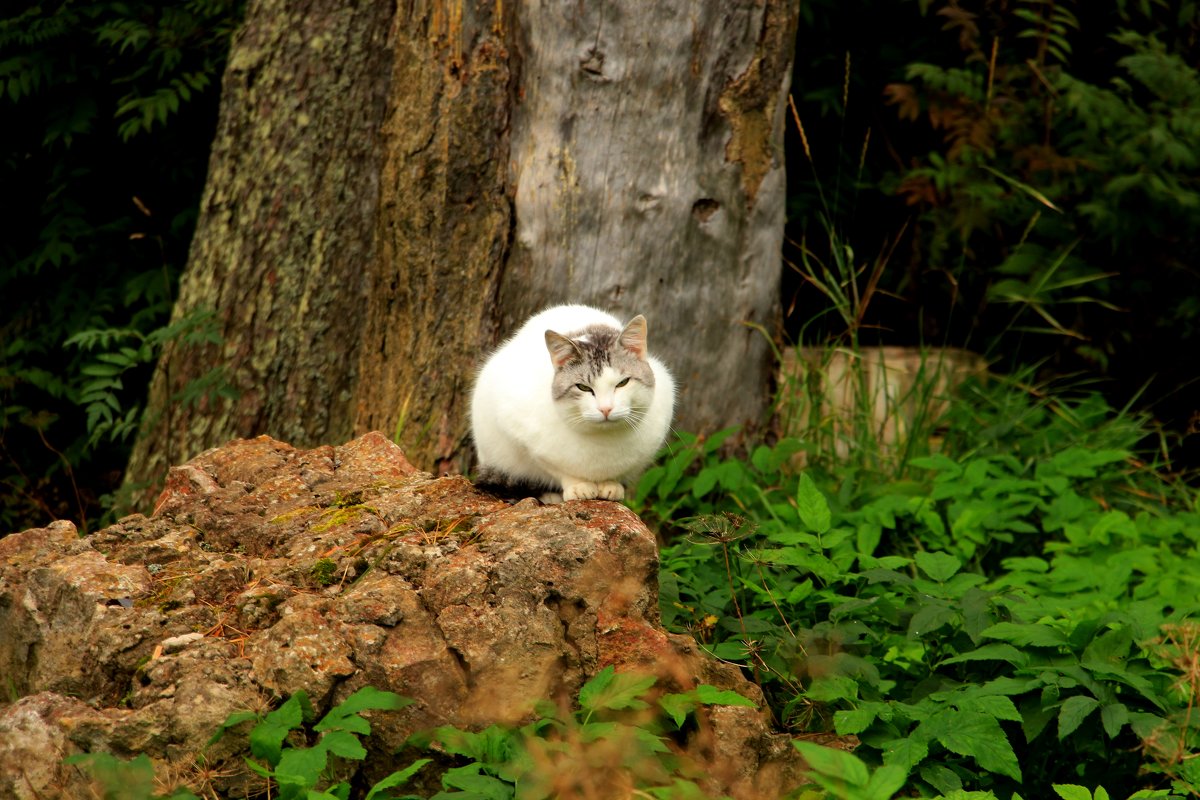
column 622, row 383
column 583, row 387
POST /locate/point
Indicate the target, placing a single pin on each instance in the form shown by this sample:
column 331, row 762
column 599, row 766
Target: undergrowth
column 109, row 111
column 616, row 743
column 1015, row 606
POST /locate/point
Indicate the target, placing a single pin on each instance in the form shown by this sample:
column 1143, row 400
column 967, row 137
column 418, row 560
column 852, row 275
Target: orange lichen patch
column 751, row 101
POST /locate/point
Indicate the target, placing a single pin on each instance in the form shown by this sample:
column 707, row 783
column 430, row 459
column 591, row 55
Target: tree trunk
column 388, row 197
column 648, row 167
column 443, row 232
column 284, row 235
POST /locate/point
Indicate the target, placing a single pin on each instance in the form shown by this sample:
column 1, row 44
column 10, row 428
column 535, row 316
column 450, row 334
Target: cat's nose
column 605, row 410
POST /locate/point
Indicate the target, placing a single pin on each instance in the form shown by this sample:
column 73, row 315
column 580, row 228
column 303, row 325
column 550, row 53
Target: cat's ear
column 633, row 337
column 562, row 349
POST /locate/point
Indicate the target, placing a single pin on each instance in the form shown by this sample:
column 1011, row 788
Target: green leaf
column 1078, row 462
column 938, row 462
column 649, row 741
column 930, row 618
column 833, row 763
column 397, row 778
column 1110, row 649
column 677, row 707
column 492, row 745
column 855, row 720
column 705, row 481
column 1069, row 791
column 345, row 714
column 614, row 691
column 980, row 737
column 884, row 782
column 940, row 567
column 135, row 778
column 713, row 442
column 1147, row 725
column 266, row 738
column 1073, row 711
column 943, row 779
column 712, row 696
column 304, row 764
column 1032, row 635
column 101, row 370
column 994, row 705
column 992, row 652
column 1114, row 716
column 904, row 753
column 344, row 744
column 829, row 688
column 761, row 458
column 813, row 508
column 232, row 721
column 484, row 786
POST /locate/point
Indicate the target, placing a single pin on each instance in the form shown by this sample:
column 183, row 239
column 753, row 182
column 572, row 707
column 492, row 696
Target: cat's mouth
column 599, row 422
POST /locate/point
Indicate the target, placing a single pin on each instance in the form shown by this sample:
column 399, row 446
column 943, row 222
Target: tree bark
column 443, row 231
column 283, row 237
column 393, row 189
column 648, row 168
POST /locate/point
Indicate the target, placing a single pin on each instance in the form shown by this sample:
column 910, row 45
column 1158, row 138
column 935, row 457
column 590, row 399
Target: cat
column 573, row 404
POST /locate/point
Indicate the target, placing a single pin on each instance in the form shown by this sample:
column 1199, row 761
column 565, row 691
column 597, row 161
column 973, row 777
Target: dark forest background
column 1017, row 177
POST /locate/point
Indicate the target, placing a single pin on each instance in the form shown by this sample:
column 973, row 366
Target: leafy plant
column 613, row 744
column 1056, row 120
column 109, row 110
column 125, row 780
column 615, row 737
column 311, row 770
column 846, row 777
column 111, row 415
column 983, row 621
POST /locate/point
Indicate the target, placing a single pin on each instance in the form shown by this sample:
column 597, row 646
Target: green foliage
column 1064, row 192
column 986, row 620
column 1034, row 185
column 844, row 776
column 124, row 780
column 110, row 415
column 109, row 110
column 613, row 745
column 615, row 738
column 311, row 771
column 1008, row 184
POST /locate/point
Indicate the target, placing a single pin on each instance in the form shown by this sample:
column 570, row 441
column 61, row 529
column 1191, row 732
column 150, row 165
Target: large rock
column 265, row 570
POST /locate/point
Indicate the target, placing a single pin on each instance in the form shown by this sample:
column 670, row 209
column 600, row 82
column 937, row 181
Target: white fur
column 523, row 433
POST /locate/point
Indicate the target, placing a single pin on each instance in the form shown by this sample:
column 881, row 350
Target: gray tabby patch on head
column 581, row 356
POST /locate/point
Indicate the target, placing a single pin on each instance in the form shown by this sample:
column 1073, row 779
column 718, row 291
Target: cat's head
column 601, row 375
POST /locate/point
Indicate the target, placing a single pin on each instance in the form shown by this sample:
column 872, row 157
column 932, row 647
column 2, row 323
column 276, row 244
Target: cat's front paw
column 586, row 490
column 610, row 490
column 583, row 490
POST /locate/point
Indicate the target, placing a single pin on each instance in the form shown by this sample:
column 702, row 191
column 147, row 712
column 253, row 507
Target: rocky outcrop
column 265, row 570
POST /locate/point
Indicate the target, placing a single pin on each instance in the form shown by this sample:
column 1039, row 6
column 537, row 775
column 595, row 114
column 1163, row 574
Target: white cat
column 572, row 403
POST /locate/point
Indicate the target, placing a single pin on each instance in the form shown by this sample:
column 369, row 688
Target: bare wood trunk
column 648, row 166
column 284, row 235
column 394, row 189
